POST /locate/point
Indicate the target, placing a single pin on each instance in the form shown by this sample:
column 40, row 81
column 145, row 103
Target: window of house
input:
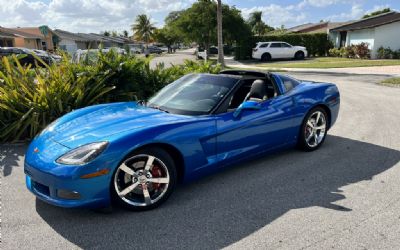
column 44, row 46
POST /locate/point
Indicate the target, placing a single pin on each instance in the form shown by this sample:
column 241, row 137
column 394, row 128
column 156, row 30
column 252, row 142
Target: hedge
column 316, row 43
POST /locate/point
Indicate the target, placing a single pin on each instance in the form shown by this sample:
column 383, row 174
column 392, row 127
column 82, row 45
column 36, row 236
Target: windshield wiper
column 158, row 108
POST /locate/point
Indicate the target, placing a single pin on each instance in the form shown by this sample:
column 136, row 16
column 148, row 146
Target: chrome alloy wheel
column 141, row 180
column 315, row 129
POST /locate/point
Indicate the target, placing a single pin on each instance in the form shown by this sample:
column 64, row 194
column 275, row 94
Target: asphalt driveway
column 344, row 196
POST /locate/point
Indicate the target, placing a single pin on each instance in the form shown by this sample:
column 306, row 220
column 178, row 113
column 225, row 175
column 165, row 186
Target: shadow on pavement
column 9, row 156
column 224, row 208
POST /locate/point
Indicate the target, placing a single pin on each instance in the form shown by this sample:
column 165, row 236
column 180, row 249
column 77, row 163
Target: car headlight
column 83, row 154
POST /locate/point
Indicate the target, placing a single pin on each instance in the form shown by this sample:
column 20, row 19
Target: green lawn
column 329, row 62
column 395, row 81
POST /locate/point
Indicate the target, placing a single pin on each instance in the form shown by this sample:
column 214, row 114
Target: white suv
column 265, row 51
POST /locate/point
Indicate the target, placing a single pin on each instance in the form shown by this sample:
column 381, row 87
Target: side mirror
column 248, row 105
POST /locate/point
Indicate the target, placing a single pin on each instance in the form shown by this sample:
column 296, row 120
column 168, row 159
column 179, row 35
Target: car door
column 254, row 131
column 275, row 50
column 287, row 50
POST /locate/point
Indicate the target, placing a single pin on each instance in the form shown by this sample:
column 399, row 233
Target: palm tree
column 143, row 29
column 219, row 34
column 256, row 22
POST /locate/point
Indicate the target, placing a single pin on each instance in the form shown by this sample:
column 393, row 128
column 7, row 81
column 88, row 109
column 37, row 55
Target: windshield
column 194, row 94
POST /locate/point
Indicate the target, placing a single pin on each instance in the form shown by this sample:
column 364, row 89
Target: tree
column 378, row 12
column 125, row 33
column 106, row 33
column 166, row 36
column 258, row 26
column 219, row 34
column 114, row 33
column 198, row 24
column 143, row 29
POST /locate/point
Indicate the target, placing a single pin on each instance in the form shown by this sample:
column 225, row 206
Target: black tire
column 169, row 163
column 305, row 129
column 299, row 55
column 266, row 57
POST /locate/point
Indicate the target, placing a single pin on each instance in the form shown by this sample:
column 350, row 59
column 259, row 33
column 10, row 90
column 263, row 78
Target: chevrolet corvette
column 135, row 153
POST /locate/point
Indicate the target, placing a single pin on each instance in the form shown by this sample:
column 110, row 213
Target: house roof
column 321, row 27
column 71, row 36
column 121, row 40
column 5, row 34
column 90, row 37
column 301, row 27
column 20, row 33
column 370, row 22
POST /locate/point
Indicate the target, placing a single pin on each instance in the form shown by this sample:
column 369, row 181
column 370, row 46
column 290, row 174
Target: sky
column 99, row 15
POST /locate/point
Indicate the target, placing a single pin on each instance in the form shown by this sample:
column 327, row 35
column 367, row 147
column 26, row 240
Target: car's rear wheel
column 144, row 180
column 313, row 130
column 266, row 57
column 299, row 55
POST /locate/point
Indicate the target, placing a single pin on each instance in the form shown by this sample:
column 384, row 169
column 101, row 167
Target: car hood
column 300, row 47
column 100, row 122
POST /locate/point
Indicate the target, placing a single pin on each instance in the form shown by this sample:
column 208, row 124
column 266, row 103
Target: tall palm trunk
column 219, row 32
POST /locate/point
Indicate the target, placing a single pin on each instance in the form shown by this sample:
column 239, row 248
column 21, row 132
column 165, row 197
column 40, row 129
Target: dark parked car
column 154, row 50
column 25, row 55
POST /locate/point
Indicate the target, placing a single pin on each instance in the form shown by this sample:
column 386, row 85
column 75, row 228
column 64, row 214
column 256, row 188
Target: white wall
column 387, row 36
column 68, row 45
column 361, row 36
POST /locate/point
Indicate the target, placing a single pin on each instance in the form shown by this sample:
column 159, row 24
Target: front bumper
column 66, row 191
column 63, row 185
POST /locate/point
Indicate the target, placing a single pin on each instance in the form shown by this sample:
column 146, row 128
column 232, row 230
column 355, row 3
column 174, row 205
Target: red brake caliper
column 156, row 173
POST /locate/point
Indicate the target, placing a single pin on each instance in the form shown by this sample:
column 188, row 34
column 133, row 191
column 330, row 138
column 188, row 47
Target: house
column 321, row 27
column 18, row 38
column 110, row 41
column 6, row 39
column 71, row 42
column 48, row 39
column 378, row 31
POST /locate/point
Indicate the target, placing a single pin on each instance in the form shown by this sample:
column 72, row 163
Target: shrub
column 32, row 98
column 362, row 51
column 354, row 51
column 388, row 53
column 316, row 44
column 335, row 52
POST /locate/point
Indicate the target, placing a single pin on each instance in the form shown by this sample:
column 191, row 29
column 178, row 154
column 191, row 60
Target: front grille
column 40, row 188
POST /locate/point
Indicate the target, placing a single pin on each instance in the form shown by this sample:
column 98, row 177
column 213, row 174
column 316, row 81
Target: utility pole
column 219, row 32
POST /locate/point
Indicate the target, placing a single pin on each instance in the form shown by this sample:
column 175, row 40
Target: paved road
column 173, row 59
column 344, row 196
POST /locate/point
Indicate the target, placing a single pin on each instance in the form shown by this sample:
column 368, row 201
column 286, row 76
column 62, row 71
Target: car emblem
column 36, row 150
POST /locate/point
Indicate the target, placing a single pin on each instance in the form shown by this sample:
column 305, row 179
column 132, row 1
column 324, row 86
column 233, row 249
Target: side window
column 289, row 83
column 265, row 45
column 285, row 45
column 275, row 45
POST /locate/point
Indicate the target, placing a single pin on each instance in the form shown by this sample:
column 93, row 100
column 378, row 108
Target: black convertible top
column 246, row 73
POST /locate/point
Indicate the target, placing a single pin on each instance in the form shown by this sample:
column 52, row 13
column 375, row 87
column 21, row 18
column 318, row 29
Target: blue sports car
column 135, row 154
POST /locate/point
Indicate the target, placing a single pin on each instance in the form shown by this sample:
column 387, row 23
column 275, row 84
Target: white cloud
column 277, row 15
column 319, row 3
column 355, row 12
column 83, row 15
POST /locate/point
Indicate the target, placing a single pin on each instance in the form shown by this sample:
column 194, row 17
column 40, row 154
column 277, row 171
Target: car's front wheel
column 299, row 55
column 313, row 130
column 144, row 180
